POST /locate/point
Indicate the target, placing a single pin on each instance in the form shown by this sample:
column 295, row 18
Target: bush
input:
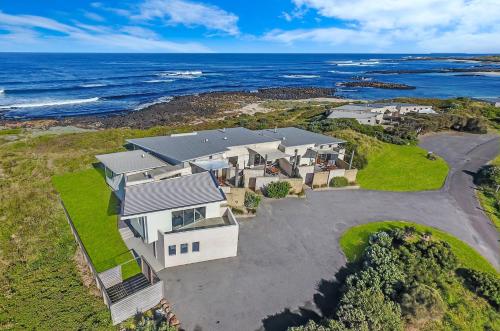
column 278, row 190
column 252, row 200
column 237, row 211
column 338, row 182
column 484, row 284
column 488, row 176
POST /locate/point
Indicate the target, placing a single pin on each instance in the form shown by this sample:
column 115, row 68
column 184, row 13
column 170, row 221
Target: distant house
column 375, row 113
column 362, row 116
column 173, row 188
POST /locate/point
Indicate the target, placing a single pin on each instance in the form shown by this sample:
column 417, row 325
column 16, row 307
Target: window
column 182, row 218
column 109, row 173
column 196, row 246
column 184, row 248
column 172, row 250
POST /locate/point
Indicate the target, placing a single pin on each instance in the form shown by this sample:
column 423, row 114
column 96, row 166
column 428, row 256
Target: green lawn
column 354, row 241
column 94, row 209
column 402, row 168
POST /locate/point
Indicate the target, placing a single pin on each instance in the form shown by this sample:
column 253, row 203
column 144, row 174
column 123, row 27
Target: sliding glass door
column 182, row 218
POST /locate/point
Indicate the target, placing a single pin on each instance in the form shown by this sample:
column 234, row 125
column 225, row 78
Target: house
column 363, row 117
column 182, row 220
column 375, row 113
column 238, row 154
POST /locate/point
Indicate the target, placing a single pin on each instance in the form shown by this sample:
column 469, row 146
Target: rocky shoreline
column 179, row 109
column 377, row 84
column 438, row 71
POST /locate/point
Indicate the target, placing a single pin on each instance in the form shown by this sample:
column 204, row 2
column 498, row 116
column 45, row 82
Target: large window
column 182, row 218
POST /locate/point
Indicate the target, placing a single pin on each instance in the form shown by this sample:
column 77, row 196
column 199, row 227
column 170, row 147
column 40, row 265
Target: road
column 289, row 254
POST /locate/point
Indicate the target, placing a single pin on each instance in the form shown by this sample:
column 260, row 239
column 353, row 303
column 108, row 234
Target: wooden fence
column 133, row 303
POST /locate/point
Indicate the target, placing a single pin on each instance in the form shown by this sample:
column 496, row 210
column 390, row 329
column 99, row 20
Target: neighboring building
column 228, row 152
column 363, row 117
column 364, row 113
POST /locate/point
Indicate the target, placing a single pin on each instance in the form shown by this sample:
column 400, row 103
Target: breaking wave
column 93, row 85
column 50, row 103
column 182, row 74
column 152, row 81
column 157, row 101
column 300, row 76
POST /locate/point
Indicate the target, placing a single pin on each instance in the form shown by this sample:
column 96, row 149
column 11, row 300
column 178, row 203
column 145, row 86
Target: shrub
column 488, row 176
column 338, row 182
column 278, row 190
column 485, row 284
column 252, row 200
column 237, row 211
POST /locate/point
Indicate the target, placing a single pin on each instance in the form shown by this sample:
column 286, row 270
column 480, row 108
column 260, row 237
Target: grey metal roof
column 185, row 147
column 125, row 162
column 357, row 107
column 351, row 114
column 297, row 137
column 171, row 193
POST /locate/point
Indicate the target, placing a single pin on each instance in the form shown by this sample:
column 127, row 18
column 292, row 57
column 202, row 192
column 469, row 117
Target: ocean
column 57, row 85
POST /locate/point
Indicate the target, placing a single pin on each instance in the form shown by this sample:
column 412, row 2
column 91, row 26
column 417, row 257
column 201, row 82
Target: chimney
column 275, row 129
column 143, row 155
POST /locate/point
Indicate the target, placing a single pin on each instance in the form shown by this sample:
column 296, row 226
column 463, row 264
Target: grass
column 402, row 168
column 94, row 211
column 4, row 132
column 355, row 240
column 488, row 201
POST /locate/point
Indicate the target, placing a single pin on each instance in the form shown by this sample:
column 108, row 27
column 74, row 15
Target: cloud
column 189, row 13
column 395, row 25
column 25, row 33
column 93, row 16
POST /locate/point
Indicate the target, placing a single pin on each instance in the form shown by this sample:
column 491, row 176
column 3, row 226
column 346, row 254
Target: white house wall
column 215, row 243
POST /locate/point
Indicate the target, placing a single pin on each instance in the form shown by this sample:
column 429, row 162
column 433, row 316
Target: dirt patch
column 88, row 279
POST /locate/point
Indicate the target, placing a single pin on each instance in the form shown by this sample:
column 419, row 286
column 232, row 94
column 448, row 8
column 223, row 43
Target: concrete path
column 289, row 254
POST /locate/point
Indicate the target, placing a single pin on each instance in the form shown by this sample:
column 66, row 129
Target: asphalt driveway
column 289, row 253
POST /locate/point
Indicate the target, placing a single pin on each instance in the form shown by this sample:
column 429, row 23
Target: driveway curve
column 289, row 253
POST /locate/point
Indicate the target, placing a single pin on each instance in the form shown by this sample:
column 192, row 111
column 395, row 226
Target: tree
column 369, row 310
column 327, row 325
column 421, row 303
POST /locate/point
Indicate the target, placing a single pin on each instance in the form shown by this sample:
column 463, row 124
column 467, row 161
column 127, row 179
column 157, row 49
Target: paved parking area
column 291, row 247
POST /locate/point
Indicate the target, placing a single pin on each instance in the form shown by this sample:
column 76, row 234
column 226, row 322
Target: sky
column 251, row 26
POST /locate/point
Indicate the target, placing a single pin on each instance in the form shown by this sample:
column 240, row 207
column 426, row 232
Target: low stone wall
column 297, row 184
column 236, row 196
column 336, row 173
column 320, row 179
column 351, row 175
